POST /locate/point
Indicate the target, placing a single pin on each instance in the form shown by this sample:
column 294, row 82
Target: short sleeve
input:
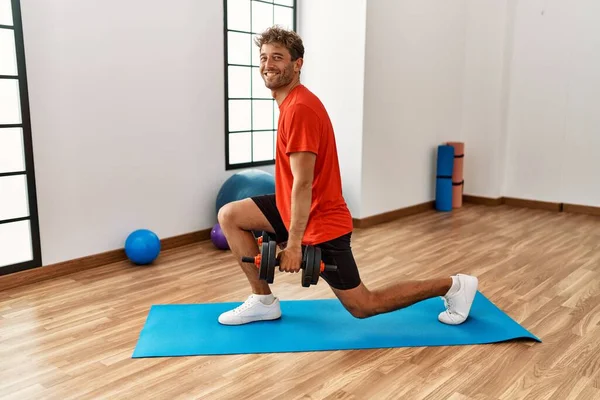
column 303, row 127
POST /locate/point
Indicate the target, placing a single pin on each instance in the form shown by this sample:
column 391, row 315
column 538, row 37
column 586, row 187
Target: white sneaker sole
column 247, row 320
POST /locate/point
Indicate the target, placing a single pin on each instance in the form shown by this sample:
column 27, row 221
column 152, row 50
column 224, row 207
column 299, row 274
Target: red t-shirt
column 304, row 125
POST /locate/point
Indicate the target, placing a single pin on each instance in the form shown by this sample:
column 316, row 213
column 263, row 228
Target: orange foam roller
column 457, row 195
column 458, row 181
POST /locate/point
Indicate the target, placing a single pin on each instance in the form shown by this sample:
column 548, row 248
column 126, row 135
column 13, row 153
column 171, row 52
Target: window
column 251, row 113
column 19, row 227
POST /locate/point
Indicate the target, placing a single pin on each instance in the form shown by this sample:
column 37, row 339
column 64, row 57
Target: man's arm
column 303, row 167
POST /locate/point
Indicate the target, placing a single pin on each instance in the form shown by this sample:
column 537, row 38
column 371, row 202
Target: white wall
column 579, row 184
column 127, row 119
column 538, row 95
column 553, row 120
column 414, row 67
column 517, row 81
column 486, row 74
column 333, row 33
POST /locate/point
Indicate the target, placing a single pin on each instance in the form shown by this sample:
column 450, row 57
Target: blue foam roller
column 443, row 185
column 445, row 161
column 443, row 194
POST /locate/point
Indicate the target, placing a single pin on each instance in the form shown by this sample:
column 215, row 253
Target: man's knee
column 358, row 301
column 243, row 214
column 227, row 214
column 358, row 311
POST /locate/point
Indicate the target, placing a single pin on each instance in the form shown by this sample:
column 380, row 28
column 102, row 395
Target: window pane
column 240, row 115
column 255, row 53
column 276, row 113
column 239, row 46
column 262, row 114
column 259, row 90
column 8, row 55
column 13, row 202
column 262, row 146
column 239, row 82
column 5, row 13
column 262, row 16
column 239, row 147
column 10, row 104
column 12, row 155
column 284, row 16
column 15, row 243
column 285, row 2
column 238, row 15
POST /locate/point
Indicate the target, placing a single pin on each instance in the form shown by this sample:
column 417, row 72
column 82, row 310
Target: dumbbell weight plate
column 271, row 261
column 316, row 266
column 307, row 271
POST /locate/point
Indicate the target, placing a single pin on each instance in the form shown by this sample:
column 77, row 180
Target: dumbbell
column 266, row 261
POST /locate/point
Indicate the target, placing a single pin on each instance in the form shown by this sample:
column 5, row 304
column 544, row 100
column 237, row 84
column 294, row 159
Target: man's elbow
column 303, row 184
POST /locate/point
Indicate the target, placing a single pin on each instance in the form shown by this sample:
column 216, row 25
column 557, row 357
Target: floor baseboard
column 533, row 204
column 362, row 223
column 486, row 201
column 95, row 260
column 579, row 209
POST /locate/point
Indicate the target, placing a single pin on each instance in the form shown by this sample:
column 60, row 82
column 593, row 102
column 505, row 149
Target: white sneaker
column 251, row 310
column 459, row 304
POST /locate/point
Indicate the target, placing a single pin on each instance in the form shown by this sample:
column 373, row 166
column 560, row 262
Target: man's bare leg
column 458, row 292
column 237, row 219
column 363, row 303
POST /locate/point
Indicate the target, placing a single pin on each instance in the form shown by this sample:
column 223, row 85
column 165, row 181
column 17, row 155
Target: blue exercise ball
column 142, row 246
column 244, row 184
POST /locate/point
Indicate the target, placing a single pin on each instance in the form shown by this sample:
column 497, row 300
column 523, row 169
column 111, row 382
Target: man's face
column 276, row 66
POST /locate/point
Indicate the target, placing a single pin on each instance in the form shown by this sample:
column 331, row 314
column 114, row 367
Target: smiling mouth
column 270, row 74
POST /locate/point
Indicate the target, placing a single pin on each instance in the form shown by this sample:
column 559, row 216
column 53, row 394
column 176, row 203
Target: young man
column 308, row 206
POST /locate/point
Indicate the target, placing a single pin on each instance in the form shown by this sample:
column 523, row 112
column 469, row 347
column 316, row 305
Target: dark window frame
column 25, row 124
column 227, row 98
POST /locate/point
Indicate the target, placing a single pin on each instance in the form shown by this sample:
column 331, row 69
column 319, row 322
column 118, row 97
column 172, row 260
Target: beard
column 280, row 78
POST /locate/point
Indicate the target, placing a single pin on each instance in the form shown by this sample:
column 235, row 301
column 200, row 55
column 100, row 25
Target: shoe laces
column 243, row 307
column 449, row 304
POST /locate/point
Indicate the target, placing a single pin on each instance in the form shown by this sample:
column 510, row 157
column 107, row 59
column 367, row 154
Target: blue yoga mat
column 317, row 325
column 445, row 160
column 443, row 194
column 443, row 183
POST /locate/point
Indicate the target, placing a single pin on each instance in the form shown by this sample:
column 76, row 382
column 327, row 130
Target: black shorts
column 337, row 251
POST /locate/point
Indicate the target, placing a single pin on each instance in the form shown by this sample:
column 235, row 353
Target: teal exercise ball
column 244, row 184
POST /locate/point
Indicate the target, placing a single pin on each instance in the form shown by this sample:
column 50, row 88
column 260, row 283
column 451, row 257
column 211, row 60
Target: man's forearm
column 301, row 203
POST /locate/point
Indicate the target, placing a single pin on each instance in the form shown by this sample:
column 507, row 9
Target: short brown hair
column 289, row 39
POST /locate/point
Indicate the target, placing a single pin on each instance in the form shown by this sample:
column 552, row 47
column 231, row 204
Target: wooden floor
column 73, row 337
